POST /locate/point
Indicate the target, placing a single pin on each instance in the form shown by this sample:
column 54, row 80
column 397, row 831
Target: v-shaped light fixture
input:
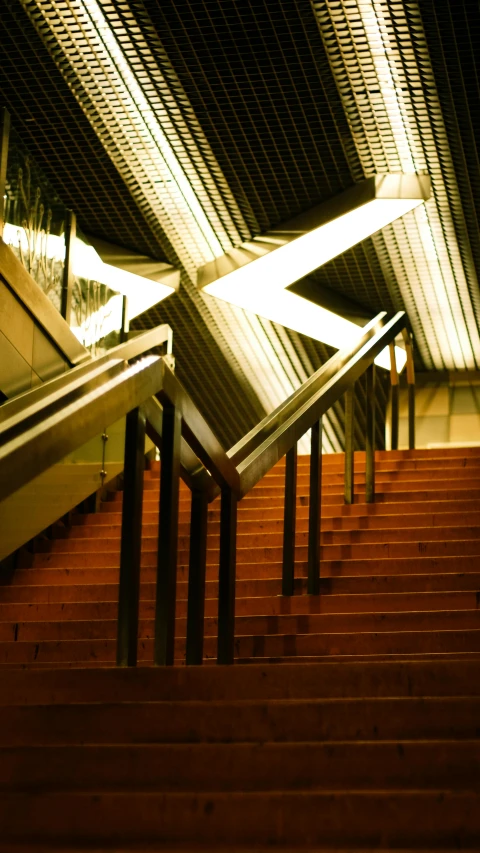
column 256, row 276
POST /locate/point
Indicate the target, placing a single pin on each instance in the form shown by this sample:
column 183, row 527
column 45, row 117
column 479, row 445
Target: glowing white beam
column 381, row 94
column 142, row 292
column 259, row 285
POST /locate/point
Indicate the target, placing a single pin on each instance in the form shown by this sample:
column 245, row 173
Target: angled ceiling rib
column 137, row 107
column 379, row 57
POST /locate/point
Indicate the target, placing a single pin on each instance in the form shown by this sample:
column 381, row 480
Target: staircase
column 399, row 577
column 371, row 738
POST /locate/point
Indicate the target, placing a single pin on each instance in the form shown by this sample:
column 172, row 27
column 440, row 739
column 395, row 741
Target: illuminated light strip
column 150, row 129
column 259, row 285
column 376, row 91
column 448, row 315
column 82, row 56
column 121, row 114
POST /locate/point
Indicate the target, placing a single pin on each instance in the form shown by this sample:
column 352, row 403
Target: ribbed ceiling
column 271, row 108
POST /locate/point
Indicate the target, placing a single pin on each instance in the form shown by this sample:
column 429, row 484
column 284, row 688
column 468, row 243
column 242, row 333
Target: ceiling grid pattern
column 380, row 60
column 271, row 114
column 91, row 67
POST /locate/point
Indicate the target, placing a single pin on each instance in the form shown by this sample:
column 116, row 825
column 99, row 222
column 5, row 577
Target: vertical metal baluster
column 349, row 470
column 4, row 140
column 67, row 284
column 411, row 389
column 315, row 510
column 394, row 386
column 124, row 330
column 131, row 541
column 370, row 436
column 196, row 577
column 226, row 577
column 167, row 537
column 289, row 522
column 411, row 416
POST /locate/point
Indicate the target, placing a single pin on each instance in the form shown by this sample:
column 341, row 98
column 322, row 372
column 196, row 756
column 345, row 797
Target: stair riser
column 303, row 681
column 264, row 625
column 243, row 767
column 274, row 509
column 58, row 592
column 309, row 645
column 259, row 625
column 387, row 550
column 246, row 571
column 419, row 489
column 279, row 721
column 352, row 523
column 273, row 539
column 352, row 819
column 252, row 604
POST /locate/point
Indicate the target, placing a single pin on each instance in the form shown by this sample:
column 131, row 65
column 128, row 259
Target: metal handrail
column 71, row 411
column 53, row 389
column 111, row 392
column 298, row 417
column 270, row 423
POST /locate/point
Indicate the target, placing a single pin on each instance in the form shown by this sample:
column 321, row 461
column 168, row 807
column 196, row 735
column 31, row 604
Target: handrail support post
column 370, row 436
column 164, row 649
column 315, row 509
column 394, row 391
column 196, row 577
column 226, row 577
column 411, row 389
column 349, row 459
column 289, row 522
column 131, row 541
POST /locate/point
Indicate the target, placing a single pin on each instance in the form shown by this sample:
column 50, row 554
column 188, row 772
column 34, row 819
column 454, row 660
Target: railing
column 37, row 430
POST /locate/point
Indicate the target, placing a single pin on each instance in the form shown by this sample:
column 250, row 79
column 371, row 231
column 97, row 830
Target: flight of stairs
column 368, row 738
column 320, row 756
column 399, row 577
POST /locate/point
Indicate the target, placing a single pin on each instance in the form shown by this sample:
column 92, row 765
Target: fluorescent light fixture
column 381, row 84
column 142, row 291
column 256, row 276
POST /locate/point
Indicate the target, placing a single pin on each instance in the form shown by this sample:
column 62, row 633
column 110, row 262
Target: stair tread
column 349, row 721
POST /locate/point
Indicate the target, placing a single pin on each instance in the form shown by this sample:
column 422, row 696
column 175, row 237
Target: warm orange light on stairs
column 365, row 737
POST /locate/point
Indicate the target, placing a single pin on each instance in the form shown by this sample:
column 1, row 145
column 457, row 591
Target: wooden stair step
column 303, row 681
column 265, row 626
column 220, row 767
column 274, row 646
column 380, row 818
column 105, row 606
column 267, row 570
column 277, row 720
column 269, row 538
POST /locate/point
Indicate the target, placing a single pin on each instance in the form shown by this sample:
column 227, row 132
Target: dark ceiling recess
column 452, row 30
column 261, row 86
column 61, row 140
column 260, row 83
